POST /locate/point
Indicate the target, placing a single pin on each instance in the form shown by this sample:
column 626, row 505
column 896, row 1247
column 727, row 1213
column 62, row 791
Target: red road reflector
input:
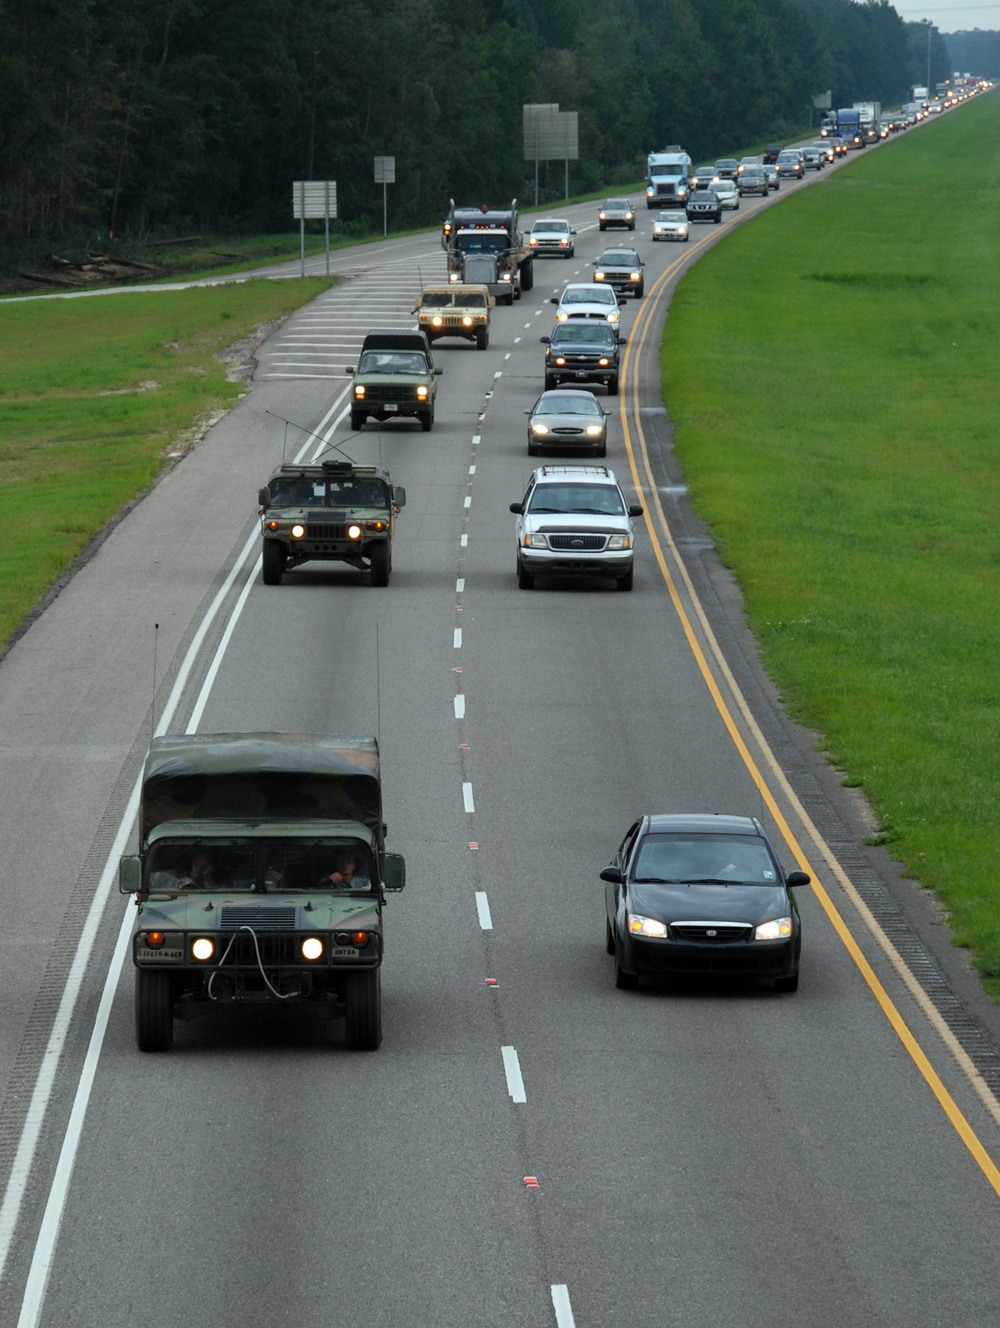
column 531, row 1182
column 492, row 982
column 473, row 844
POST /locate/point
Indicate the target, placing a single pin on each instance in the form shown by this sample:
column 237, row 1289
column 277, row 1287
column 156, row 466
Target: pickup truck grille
column 574, row 543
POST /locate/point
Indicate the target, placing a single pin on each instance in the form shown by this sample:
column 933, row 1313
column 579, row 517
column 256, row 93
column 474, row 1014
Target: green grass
column 832, row 374
column 94, row 393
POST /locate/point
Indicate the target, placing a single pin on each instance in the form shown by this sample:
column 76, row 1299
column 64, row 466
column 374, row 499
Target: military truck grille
column 709, row 933
column 261, row 919
column 376, row 394
column 325, row 530
column 576, row 543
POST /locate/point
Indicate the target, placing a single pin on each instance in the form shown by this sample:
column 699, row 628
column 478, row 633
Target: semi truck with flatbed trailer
column 484, row 247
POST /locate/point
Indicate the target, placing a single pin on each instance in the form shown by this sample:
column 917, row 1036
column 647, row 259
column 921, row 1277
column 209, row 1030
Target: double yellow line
column 661, row 539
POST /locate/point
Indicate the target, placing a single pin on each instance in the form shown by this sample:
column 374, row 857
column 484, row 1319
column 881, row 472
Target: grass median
column 831, row 371
column 95, row 393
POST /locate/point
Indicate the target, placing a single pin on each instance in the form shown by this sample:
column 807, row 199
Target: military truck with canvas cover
column 334, row 512
column 483, row 246
column 261, row 877
column 394, row 377
column 456, row 310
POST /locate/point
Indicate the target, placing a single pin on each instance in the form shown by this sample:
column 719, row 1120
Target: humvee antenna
column 312, row 434
column 152, row 716
column 378, row 692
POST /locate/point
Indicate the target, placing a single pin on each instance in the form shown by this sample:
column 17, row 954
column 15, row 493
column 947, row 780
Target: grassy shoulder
column 94, row 395
column 831, row 373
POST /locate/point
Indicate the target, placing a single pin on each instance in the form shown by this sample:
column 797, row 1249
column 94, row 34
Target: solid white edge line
column 561, row 1305
column 512, row 1069
column 470, row 806
column 483, row 909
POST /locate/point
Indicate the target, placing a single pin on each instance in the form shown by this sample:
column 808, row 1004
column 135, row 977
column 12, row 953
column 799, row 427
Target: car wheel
column 358, row 418
column 427, row 420
column 601, row 226
column 532, row 449
column 624, row 981
column 613, row 386
column 625, row 582
column 363, row 1026
column 787, row 984
column 380, row 563
column 274, row 562
column 609, row 937
column 550, row 383
column 602, row 450
column 525, row 581
column 154, row 1011
column 717, row 219
column 640, row 291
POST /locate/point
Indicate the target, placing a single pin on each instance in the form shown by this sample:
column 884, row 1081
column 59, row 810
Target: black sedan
column 701, row 894
column 704, row 205
column 622, row 269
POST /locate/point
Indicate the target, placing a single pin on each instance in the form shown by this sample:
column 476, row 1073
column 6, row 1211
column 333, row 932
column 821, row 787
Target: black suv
column 622, row 269
column 583, row 350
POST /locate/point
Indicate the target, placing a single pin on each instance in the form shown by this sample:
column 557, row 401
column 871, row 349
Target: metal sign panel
column 385, row 170
column 314, row 198
column 550, row 134
column 821, row 100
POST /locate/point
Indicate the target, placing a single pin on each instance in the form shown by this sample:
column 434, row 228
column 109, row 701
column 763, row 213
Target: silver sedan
column 568, row 419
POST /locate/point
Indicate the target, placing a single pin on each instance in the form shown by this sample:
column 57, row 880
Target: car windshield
column 255, row 866
column 668, row 217
column 589, row 295
column 566, row 403
column 577, row 499
column 617, row 205
column 727, row 165
column 551, row 227
column 619, row 258
column 392, row 362
column 584, row 334
column 714, row 859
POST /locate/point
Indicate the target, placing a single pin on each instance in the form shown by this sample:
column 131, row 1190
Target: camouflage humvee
column 261, row 876
column 335, row 511
column 456, row 310
column 395, row 376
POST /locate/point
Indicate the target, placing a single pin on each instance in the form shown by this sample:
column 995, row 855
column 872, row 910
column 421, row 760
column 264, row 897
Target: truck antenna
column 378, row 692
column 152, row 714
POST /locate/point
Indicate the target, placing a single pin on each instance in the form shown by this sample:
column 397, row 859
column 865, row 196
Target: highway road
column 706, row 1154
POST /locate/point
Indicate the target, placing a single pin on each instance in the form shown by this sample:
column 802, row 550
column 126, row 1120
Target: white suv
column 574, row 521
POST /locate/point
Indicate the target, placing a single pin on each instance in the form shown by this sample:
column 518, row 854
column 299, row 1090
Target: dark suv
column 583, row 350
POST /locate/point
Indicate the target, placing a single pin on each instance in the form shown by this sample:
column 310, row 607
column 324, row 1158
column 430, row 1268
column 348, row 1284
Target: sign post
column 311, row 199
column 385, row 173
column 550, row 135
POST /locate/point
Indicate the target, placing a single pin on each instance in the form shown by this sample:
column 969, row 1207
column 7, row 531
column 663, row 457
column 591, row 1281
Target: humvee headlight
column 298, row 531
column 155, row 940
column 466, row 321
column 378, row 525
column 437, row 320
column 354, row 532
column 359, row 391
column 422, row 393
column 312, row 948
column 202, row 948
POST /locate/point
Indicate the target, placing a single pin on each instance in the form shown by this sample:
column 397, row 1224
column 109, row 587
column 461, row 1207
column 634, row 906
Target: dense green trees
column 136, row 116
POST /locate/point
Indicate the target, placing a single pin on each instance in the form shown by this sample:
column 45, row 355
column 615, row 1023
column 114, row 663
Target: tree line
column 130, row 118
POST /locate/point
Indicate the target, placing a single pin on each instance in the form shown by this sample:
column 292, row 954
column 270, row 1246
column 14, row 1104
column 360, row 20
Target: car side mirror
column 623, row 341
column 129, row 875
column 393, row 871
column 595, row 262
column 553, row 300
column 544, row 340
column 438, row 372
column 350, row 369
column 634, row 509
column 399, row 495
column 264, row 497
column 797, row 878
column 613, row 876
column 517, row 508
column 572, row 232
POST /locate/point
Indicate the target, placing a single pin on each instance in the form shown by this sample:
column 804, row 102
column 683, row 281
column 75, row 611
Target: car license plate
column 391, row 405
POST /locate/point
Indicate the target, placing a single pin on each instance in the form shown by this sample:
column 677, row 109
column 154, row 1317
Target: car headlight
column 594, row 430
column 634, row 276
column 202, row 949
column 598, row 276
column 359, row 392
column 532, row 241
column 601, row 216
column 628, row 216
column 535, row 541
column 298, row 530
column 775, row 930
column 613, row 316
column 564, row 242
column 620, row 542
column 539, row 429
column 312, row 948
column 604, row 363
column 561, row 317
column 640, row 926
column 422, row 391
column 560, row 359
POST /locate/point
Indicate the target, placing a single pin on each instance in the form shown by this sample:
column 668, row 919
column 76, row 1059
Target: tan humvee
column 455, row 309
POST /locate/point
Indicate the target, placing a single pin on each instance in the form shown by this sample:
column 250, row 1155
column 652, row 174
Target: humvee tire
column 274, row 562
column 380, row 563
column 363, row 1026
column 154, row 1014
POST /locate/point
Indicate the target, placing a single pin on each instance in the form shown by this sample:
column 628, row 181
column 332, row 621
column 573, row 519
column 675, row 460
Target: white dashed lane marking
column 512, row 1068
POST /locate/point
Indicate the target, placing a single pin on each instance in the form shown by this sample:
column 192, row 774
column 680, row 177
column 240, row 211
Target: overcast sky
column 951, row 15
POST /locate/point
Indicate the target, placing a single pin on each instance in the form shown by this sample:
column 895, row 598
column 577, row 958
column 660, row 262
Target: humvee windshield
column 467, row 300
column 259, row 865
column 349, row 492
column 436, row 300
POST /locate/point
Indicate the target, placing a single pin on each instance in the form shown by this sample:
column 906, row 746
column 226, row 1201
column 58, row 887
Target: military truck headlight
column 312, row 948
column 298, row 531
column 359, row 391
column 202, row 948
column 466, row 321
column 354, row 532
column 422, row 393
column 437, row 320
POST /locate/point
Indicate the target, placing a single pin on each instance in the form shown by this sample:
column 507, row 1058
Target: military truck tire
column 427, row 420
column 358, row 417
column 527, row 276
column 363, row 1026
column 380, row 563
column 482, row 338
column 154, row 1014
column 274, row 562
column 613, row 386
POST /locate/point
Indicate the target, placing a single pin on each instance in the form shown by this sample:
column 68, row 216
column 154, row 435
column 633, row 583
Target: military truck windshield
column 298, row 493
column 258, row 866
column 482, row 242
column 392, row 362
column 435, row 300
column 358, row 493
column 469, row 301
